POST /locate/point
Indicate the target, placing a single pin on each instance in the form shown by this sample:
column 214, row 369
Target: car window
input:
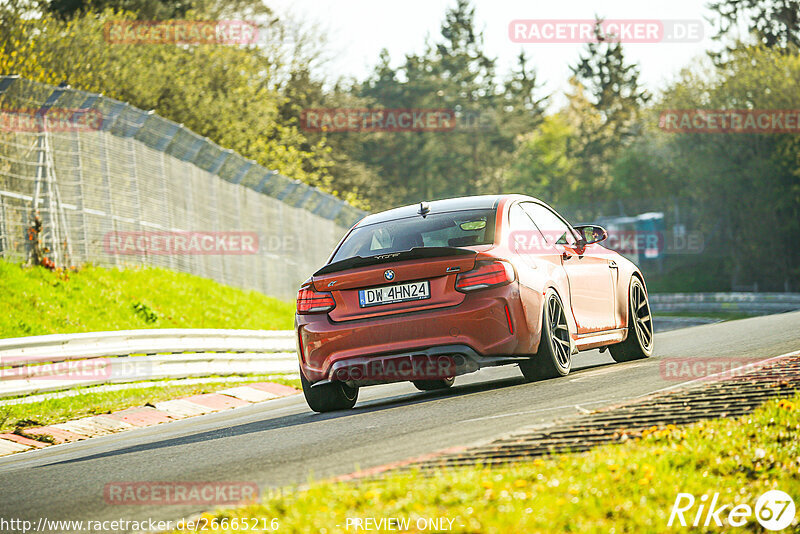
column 523, row 231
column 462, row 228
column 554, row 229
column 526, row 238
column 519, row 220
column 381, row 239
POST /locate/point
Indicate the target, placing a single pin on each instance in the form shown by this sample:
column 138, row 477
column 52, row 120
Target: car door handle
column 612, row 265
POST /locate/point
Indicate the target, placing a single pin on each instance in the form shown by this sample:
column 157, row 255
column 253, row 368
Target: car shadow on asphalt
column 398, row 401
column 460, row 390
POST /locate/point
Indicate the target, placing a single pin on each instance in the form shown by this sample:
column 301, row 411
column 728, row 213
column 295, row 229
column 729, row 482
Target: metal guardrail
column 62, row 361
column 753, row 303
column 60, row 347
column 47, row 363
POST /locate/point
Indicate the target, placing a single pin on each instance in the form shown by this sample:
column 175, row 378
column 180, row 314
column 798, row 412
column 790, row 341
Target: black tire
column 432, row 385
column 329, row 397
column 554, row 357
column 639, row 343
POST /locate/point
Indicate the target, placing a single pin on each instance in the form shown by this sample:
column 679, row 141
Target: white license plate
column 376, row 296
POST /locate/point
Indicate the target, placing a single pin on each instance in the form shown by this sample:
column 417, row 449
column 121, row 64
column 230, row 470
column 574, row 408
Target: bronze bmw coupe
column 430, row 291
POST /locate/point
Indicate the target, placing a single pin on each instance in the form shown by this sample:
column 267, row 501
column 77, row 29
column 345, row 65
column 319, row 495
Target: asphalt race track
column 282, row 442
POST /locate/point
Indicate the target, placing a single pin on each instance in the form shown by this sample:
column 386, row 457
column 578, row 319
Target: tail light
column 310, row 301
column 486, row 274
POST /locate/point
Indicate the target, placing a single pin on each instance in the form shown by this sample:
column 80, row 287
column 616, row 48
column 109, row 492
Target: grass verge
column 97, row 299
column 628, row 487
column 58, row 410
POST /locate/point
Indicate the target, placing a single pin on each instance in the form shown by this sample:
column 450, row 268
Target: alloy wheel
column 642, row 317
column 559, row 332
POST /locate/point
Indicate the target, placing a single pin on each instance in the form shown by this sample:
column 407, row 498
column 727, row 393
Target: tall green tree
column 605, row 102
column 774, row 23
column 612, row 84
column 542, row 165
column 455, row 73
column 746, row 186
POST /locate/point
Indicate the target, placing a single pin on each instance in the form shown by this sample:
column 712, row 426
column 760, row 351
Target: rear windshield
column 455, row 229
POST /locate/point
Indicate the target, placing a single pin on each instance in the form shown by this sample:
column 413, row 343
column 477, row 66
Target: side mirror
column 591, row 233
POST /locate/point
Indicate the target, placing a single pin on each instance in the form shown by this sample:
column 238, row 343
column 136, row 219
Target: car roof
column 436, row 206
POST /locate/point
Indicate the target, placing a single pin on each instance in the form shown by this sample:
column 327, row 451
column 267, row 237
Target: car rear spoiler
column 413, row 254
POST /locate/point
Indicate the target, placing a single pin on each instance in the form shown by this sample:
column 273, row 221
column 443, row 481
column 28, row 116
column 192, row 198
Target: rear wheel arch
column 551, row 360
column 566, row 302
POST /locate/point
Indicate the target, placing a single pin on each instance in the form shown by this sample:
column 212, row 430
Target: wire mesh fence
column 94, row 180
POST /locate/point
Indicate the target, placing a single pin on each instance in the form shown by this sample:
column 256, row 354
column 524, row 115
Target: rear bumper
column 472, row 335
column 429, row 364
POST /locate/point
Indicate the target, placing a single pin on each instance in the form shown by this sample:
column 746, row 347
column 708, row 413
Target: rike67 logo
column 774, row 510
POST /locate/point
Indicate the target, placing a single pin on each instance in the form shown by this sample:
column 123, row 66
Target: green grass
column 51, row 411
column 38, row 301
column 629, row 487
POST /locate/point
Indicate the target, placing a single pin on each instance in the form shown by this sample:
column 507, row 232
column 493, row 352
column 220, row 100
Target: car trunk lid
column 438, row 267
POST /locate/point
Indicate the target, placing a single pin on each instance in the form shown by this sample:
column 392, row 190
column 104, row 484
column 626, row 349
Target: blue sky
column 358, row 29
